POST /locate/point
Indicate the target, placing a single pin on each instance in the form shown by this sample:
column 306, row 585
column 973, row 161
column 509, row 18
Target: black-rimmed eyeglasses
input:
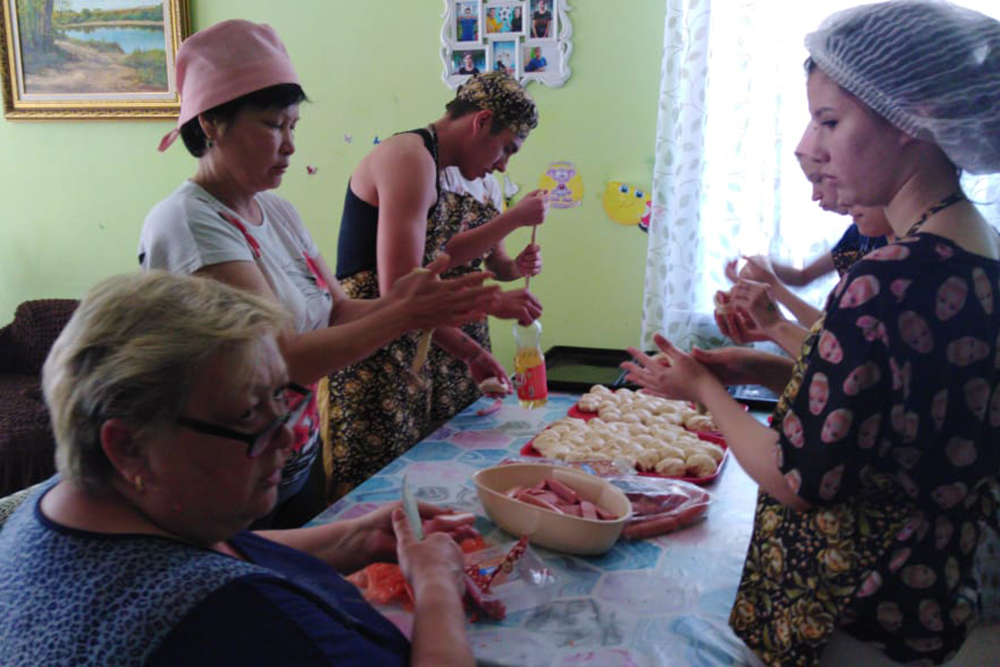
column 294, row 399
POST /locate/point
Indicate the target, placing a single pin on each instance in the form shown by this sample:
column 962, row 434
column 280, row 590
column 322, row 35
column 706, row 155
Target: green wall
column 74, row 194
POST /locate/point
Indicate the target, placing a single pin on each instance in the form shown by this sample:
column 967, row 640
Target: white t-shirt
column 189, row 230
column 484, row 190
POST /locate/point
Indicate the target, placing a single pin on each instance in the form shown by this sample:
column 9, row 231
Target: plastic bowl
column 559, row 532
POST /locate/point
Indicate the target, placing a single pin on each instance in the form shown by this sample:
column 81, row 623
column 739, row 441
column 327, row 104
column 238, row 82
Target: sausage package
column 500, row 579
column 509, row 577
column 661, row 505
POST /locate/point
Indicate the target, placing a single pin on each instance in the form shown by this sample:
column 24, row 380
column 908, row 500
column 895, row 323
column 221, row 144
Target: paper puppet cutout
column 563, row 183
column 626, row 204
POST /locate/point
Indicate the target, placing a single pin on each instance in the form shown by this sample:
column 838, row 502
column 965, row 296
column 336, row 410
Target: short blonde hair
column 129, row 352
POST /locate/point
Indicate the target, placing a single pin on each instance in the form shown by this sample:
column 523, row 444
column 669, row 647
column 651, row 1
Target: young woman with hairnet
column 882, row 457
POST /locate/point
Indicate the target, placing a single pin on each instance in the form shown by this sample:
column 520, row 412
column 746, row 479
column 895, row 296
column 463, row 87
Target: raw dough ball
column 671, row 466
column 700, row 465
column 493, row 386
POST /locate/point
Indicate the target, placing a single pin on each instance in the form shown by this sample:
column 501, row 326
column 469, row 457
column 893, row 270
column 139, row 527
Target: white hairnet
column 930, row 68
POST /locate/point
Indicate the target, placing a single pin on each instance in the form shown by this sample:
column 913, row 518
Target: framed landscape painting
column 90, row 59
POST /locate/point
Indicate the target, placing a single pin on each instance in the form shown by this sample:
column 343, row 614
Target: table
column 663, row 601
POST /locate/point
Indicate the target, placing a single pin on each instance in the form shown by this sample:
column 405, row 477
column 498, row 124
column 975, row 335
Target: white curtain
column 732, row 107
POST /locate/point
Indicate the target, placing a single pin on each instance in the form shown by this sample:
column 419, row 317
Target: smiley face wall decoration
column 627, row 204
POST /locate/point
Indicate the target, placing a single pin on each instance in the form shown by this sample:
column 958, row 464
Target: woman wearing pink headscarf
column 240, row 100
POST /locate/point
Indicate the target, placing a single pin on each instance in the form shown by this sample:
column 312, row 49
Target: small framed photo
column 505, row 57
column 466, row 62
column 468, row 26
column 504, row 19
column 540, row 58
column 542, row 20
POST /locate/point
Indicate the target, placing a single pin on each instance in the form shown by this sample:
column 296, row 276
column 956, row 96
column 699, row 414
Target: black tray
column 754, row 396
column 577, row 369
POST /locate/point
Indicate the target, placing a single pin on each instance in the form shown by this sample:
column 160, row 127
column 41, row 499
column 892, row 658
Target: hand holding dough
column 494, row 386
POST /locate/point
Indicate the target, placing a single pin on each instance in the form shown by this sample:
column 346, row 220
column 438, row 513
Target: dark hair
column 280, row 96
column 458, row 108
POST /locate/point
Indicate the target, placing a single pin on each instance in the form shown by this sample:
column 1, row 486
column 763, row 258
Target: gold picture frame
column 73, row 59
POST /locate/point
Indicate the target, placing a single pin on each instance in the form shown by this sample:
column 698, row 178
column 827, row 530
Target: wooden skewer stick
column 527, row 279
column 423, row 346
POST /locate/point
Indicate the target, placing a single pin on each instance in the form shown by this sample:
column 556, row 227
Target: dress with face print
column 893, row 434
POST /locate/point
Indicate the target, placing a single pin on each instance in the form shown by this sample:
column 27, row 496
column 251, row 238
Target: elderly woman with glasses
column 172, row 408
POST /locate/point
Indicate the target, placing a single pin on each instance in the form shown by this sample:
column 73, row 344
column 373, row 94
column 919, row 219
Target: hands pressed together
column 678, row 375
column 749, row 310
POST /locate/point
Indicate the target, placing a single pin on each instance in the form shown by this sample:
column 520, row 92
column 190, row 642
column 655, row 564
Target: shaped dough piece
column 700, row 465
column 714, row 451
column 700, row 423
column 671, row 466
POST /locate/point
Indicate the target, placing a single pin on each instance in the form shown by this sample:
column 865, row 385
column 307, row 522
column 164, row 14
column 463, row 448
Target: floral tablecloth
column 654, row 602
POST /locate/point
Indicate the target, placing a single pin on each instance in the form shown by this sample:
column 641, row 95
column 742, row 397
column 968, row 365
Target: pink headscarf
column 226, row 61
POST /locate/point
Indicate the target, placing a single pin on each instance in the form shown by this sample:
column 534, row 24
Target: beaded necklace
column 953, row 198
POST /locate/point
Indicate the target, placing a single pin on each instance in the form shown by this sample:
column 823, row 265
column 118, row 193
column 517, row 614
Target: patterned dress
column 378, row 408
column 851, row 247
column 454, row 387
column 890, row 430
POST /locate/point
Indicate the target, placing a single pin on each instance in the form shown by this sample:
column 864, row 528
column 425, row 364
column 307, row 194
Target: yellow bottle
column 529, row 366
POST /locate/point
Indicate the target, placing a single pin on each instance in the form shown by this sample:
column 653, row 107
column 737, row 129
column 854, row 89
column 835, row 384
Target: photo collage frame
column 528, row 39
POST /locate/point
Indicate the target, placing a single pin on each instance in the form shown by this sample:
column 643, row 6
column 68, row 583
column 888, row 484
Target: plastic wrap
column 500, row 579
column 510, row 577
column 661, row 505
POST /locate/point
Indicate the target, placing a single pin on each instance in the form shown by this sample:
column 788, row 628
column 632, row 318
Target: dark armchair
column 26, row 441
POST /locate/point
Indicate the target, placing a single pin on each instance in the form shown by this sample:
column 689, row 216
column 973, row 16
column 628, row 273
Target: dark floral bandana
column 505, row 97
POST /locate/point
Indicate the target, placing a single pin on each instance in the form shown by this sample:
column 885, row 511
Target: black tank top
column 356, row 245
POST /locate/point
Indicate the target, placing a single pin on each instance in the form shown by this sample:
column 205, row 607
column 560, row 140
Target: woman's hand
column 734, row 322
column 430, row 303
column 757, row 300
column 531, row 210
column 745, row 365
column 484, row 365
column 434, row 569
column 730, row 365
column 434, row 561
column 758, row 267
column 518, row 304
column 529, row 261
column 375, row 537
column 672, row 374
